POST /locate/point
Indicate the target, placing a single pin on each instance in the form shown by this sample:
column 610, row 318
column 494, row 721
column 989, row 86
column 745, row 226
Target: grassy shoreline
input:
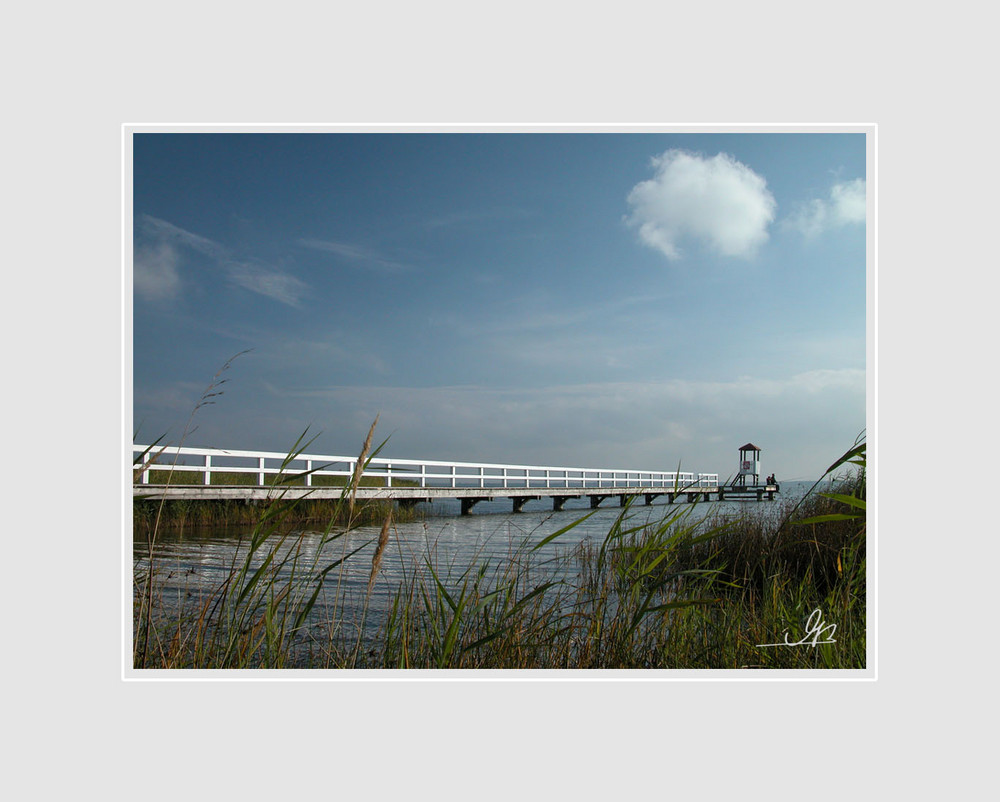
column 678, row 593
column 148, row 514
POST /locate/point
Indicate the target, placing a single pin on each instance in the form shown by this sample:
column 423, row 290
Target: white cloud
column 845, row 205
column 717, row 201
column 159, row 255
column 155, row 276
column 271, row 284
column 848, row 201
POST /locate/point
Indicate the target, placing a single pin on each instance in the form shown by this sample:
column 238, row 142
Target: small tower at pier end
column 749, row 465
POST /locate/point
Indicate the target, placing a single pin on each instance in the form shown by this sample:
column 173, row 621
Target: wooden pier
column 748, row 492
column 218, row 474
column 201, row 474
column 469, row 497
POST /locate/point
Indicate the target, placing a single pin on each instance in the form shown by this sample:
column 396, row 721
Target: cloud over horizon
column 589, row 425
column 716, row 201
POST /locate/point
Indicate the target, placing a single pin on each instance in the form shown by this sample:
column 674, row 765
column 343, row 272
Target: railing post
column 510, row 476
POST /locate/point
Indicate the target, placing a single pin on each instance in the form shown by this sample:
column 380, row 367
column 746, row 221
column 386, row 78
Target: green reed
column 686, row 591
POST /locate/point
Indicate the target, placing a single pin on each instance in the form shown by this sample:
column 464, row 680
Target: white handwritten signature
column 815, row 627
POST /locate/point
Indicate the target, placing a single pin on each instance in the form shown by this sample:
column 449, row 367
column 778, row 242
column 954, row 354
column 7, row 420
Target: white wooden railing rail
column 425, row 473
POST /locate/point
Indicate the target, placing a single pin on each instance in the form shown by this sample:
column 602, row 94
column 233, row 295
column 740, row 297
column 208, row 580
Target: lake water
column 193, row 562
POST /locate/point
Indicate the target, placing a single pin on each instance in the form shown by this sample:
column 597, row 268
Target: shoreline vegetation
column 148, row 514
column 178, row 513
column 682, row 593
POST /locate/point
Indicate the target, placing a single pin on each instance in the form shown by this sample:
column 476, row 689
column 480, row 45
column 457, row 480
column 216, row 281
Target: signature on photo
column 815, row 628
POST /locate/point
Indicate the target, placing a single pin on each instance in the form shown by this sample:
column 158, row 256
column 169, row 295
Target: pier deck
column 409, row 482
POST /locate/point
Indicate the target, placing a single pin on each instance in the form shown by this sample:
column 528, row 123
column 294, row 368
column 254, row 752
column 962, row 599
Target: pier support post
column 468, row 504
column 595, row 501
column 520, row 501
column 558, row 501
column 650, row 497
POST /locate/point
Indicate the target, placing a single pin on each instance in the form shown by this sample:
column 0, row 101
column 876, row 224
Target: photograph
column 499, row 401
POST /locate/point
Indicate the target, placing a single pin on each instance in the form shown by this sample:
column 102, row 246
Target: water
column 193, row 562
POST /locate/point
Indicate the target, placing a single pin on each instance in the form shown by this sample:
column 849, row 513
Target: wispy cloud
column 278, row 286
column 356, row 254
column 699, row 422
column 162, row 231
column 845, row 206
column 717, row 201
column 160, row 254
column 155, row 274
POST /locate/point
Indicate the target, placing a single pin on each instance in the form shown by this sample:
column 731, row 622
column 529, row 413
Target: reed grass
column 252, row 618
column 687, row 591
column 184, row 514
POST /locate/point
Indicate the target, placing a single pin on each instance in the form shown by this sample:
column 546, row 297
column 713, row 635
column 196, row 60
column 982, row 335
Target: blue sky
column 620, row 300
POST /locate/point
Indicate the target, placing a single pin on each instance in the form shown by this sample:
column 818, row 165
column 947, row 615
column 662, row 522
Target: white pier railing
column 405, row 472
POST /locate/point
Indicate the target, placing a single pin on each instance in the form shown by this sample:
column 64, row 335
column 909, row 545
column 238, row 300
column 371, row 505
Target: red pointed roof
column 749, row 447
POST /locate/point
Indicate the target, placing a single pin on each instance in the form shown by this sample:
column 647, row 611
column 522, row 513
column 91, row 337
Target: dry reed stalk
column 359, row 468
column 383, row 539
column 137, row 471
